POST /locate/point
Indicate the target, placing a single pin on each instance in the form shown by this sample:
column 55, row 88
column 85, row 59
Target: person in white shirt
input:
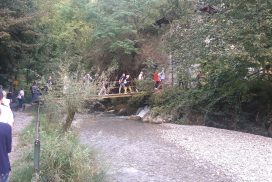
column 7, row 115
column 162, row 75
column 141, row 76
column 5, row 101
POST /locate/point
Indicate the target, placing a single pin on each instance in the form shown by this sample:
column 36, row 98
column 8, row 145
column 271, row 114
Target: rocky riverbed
column 136, row 151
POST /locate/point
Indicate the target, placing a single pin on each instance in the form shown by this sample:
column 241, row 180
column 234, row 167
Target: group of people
column 158, row 78
column 36, row 91
column 6, row 123
column 125, row 83
column 13, row 98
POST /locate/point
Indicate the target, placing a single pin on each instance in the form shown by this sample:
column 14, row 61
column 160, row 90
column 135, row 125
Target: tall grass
column 63, row 159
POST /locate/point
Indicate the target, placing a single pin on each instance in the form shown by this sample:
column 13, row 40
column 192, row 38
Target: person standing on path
column 6, row 114
column 5, row 149
column 6, row 101
column 20, row 97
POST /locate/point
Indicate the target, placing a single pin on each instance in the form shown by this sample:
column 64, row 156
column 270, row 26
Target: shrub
column 140, row 100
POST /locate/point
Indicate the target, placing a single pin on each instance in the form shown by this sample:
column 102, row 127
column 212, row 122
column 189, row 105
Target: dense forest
column 227, row 43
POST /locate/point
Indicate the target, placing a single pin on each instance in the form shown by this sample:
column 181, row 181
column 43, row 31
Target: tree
column 226, row 44
column 17, row 36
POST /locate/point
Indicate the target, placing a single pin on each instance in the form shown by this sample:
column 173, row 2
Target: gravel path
column 134, row 151
column 22, row 120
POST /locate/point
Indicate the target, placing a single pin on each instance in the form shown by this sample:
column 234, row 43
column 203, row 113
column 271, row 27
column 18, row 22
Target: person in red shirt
column 156, row 79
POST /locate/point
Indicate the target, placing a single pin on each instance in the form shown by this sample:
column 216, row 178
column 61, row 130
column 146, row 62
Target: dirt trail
column 134, row 151
column 22, row 120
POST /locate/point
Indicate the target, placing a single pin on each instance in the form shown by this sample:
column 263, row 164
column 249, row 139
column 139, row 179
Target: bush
column 140, row 100
column 63, row 159
column 145, row 85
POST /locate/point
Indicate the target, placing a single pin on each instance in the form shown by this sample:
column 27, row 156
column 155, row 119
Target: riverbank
column 62, row 157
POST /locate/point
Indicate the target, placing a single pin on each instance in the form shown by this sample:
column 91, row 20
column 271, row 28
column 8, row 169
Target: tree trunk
column 69, row 119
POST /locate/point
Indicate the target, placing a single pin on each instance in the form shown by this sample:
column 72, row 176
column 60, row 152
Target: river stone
column 96, row 106
column 150, row 119
column 146, row 119
column 134, row 117
column 111, row 111
column 122, row 111
column 157, row 120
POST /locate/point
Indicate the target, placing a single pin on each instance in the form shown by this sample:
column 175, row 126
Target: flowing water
column 133, row 151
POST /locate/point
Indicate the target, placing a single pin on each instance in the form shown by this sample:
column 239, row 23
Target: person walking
column 5, row 149
column 127, row 83
column 103, row 90
column 162, row 75
column 6, row 114
column 156, row 79
column 121, row 82
column 141, row 76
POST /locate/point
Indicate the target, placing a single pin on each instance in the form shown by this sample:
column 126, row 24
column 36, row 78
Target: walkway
column 116, row 95
column 138, row 152
column 22, row 120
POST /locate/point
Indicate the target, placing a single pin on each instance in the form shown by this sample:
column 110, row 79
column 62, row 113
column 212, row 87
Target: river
column 132, row 151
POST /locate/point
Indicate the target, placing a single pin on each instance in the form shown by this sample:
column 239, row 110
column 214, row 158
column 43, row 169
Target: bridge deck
column 115, row 95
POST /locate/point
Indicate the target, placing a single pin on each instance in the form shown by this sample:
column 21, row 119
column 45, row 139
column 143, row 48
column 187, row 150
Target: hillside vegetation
column 227, row 45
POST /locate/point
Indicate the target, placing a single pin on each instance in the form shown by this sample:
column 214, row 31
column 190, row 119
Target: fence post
column 37, row 146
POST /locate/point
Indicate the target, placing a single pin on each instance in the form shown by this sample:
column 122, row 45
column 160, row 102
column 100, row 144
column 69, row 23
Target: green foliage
column 24, row 171
column 226, row 45
column 127, row 45
column 118, row 24
column 157, row 111
column 145, row 85
column 68, row 96
column 65, row 35
column 17, row 36
column 68, row 160
column 91, row 33
column 138, row 100
column 62, row 157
